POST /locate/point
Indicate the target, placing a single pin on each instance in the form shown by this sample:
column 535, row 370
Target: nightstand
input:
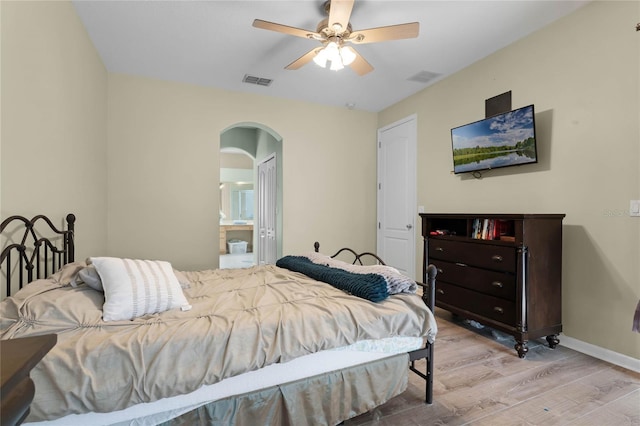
column 17, row 359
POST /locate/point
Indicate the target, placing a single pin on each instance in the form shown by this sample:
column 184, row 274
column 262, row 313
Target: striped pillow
column 133, row 288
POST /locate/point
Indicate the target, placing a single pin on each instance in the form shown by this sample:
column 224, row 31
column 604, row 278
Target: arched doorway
column 243, row 148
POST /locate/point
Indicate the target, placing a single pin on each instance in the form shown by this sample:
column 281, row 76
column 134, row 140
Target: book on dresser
column 501, row 270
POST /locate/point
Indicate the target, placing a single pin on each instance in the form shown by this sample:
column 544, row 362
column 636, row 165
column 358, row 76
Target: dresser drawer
column 487, row 306
column 494, row 283
column 499, row 258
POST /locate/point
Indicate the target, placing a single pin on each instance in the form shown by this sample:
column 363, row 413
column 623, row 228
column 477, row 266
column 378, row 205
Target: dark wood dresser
column 501, row 270
column 17, row 359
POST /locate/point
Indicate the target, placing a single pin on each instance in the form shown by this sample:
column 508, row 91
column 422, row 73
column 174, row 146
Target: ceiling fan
column 335, row 34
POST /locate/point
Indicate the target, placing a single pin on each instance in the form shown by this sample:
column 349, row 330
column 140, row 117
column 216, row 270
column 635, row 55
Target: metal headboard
column 357, row 256
column 34, row 248
column 428, row 288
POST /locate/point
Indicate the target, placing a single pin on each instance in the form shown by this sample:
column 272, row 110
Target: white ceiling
column 213, row 43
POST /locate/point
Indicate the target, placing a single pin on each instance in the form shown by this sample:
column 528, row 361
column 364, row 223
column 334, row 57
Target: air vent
column 256, row 80
column 424, row 76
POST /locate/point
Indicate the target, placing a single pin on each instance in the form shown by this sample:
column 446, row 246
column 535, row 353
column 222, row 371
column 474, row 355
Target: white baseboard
column 610, row 356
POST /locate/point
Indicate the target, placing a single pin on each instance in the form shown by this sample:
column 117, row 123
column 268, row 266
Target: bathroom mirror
column 236, row 201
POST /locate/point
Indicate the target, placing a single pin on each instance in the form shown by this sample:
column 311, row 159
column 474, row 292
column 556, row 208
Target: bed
column 262, row 345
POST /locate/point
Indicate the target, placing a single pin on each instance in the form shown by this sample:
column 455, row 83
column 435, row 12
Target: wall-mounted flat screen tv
column 507, row 139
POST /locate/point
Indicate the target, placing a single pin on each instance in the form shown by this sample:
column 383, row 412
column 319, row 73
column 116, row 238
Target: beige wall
column 163, row 167
column 582, row 73
column 54, row 120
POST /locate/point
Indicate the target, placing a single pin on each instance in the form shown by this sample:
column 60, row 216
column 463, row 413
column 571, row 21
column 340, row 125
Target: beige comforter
column 241, row 320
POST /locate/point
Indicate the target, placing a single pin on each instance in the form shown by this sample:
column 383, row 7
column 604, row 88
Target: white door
column 267, row 203
column 397, row 195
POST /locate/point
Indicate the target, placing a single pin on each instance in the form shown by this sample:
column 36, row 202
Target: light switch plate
column 634, row 208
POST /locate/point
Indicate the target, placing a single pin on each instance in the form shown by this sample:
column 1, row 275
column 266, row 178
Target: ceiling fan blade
column 392, row 32
column 272, row 26
column 339, row 14
column 303, row 60
column 359, row 64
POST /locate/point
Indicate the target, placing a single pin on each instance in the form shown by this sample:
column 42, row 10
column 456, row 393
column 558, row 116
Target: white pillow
column 90, row 277
column 133, row 288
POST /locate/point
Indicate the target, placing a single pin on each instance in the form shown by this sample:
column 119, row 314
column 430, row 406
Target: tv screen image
column 507, row 139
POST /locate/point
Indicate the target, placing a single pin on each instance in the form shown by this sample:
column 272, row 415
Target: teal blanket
column 368, row 286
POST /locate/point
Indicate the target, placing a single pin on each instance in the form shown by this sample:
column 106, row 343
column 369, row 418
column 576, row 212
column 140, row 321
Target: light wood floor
column 480, row 380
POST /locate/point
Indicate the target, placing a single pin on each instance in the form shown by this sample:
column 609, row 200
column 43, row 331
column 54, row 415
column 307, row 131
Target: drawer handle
column 497, row 284
column 496, row 258
column 498, row 309
column 440, row 271
column 439, row 249
column 440, row 291
column 461, row 264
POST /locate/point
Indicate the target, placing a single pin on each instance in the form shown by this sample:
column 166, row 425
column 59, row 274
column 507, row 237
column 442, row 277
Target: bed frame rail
column 426, row 353
column 33, row 249
column 429, row 298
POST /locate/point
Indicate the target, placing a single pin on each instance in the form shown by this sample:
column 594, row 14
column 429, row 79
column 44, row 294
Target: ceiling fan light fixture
column 321, row 58
column 332, row 50
column 336, row 65
column 347, row 55
column 337, row 55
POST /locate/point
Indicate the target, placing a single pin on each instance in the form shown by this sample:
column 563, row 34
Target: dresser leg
column 553, row 340
column 521, row 348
